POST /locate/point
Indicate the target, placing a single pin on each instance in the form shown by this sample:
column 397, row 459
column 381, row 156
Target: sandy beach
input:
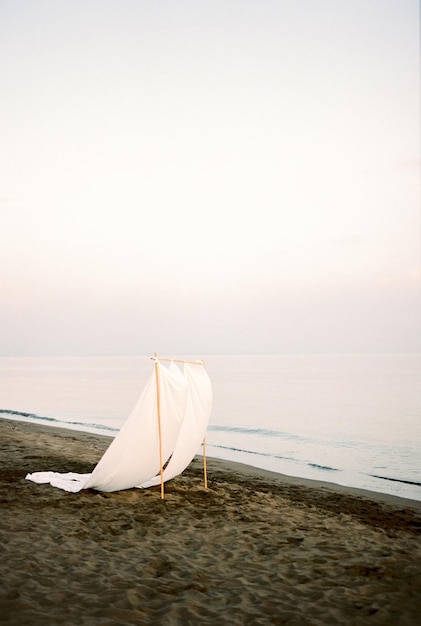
column 254, row 548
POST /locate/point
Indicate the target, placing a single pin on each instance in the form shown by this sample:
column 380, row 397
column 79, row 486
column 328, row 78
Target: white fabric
column 195, row 423
column 67, row 482
column 133, row 458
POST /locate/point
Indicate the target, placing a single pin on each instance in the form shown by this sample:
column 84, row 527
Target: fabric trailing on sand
column 133, row 457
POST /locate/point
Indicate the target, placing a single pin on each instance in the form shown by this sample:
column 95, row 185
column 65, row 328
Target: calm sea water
column 349, row 419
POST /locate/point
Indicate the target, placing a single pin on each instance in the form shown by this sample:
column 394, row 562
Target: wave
column 265, row 432
column 324, row 467
column 276, row 456
column 57, row 422
column 280, row 434
column 397, row 480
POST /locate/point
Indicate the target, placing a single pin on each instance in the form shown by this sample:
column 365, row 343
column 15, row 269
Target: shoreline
column 257, row 547
column 244, row 468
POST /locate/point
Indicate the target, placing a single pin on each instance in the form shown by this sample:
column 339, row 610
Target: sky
column 197, row 177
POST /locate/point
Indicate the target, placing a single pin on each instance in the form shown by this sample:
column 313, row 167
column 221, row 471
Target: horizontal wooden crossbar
column 159, row 358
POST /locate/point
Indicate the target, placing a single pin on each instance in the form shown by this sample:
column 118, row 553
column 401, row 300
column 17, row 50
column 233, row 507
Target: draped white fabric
column 195, row 422
column 67, row 482
column 133, row 457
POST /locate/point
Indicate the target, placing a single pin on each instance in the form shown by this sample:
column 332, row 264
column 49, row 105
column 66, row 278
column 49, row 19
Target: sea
column 348, row 419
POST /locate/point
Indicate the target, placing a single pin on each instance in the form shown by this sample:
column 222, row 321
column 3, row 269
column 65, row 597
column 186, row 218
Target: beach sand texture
column 255, row 548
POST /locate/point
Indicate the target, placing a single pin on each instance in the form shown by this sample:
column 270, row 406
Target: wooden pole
column 158, row 404
column 205, row 477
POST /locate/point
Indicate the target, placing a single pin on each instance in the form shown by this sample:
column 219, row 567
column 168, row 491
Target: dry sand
column 255, row 548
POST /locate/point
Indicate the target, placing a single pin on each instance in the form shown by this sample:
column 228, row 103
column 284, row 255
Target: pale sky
column 197, row 176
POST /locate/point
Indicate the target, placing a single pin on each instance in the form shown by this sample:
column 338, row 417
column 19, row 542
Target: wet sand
column 254, row 548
